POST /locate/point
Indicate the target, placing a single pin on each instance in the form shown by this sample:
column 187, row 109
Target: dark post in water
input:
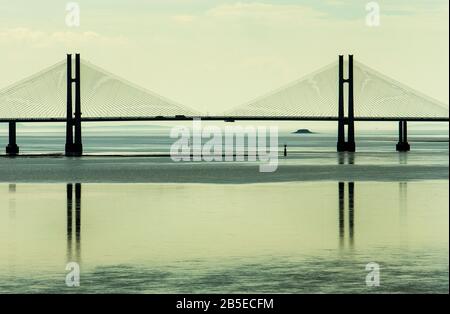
column 344, row 145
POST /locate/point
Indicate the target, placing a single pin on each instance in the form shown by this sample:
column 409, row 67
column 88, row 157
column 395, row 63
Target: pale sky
column 212, row 55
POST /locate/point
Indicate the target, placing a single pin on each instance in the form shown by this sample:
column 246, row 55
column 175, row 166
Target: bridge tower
column 346, row 144
column 74, row 142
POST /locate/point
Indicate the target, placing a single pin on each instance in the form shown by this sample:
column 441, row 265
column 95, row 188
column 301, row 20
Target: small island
column 303, row 131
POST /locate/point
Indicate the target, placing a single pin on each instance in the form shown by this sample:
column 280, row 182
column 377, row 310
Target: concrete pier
column 403, row 145
column 12, row 149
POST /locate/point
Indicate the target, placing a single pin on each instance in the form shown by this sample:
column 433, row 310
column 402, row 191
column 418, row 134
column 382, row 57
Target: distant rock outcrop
column 303, row 131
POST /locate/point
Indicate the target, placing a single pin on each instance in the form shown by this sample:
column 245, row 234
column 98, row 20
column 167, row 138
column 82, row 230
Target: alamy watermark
column 373, row 277
column 73, row 275
column 373, row 14
column 73, row 14
column 231, row 143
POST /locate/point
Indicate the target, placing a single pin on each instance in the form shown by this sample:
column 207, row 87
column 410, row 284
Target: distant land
column 303, row 131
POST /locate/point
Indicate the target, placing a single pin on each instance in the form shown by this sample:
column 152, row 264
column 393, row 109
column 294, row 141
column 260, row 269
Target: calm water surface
column 274, row 237
column 148, row 225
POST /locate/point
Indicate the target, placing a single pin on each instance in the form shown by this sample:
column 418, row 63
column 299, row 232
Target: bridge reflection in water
column 71, row 222
column 346, row 209
column 164, row 256
column 351, row 212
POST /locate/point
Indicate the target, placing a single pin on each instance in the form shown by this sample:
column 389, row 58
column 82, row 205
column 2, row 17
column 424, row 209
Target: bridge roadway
column 226, row 119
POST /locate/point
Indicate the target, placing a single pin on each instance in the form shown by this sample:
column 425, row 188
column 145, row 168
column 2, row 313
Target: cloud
column 264, row 11
column 252, row 15
column 326, row 9
column 16, row 35
column 183, row 18
column 38, row 38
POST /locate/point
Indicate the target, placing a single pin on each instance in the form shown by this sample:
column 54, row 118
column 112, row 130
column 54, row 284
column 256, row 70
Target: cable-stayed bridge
column 43, row 97
column 344, row 91
column 376, row 97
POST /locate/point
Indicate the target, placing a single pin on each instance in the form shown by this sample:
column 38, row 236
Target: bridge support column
column 346, row 145
column 69, row 120
column 403, row 145
column 73, row 147
column 12, row 149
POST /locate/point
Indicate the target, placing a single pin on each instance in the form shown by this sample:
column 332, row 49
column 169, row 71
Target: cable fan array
column 104, row 95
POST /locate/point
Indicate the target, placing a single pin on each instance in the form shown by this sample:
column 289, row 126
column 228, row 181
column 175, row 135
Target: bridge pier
column 12, row 149
column 346, row 145
column 403, row 145
column 74, row 144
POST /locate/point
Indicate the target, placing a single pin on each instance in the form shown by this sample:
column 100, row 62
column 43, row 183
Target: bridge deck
column 227, row 118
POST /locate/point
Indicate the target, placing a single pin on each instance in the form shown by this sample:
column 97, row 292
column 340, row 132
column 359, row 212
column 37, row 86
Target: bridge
column 344, row 91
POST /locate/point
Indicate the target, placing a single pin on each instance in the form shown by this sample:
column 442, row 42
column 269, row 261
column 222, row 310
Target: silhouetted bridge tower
column 61, row 92
column 74, row 146
column 346, row 145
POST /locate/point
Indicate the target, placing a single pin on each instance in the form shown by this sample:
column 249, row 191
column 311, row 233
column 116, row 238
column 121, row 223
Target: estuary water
column 148, row 225
column 191, row 238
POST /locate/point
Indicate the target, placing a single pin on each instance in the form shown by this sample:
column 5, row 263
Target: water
column 148, row 225
column 150, row 140
column 290, row 237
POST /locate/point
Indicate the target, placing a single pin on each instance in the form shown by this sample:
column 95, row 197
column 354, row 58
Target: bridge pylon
column 346, row 144
column 74, row 141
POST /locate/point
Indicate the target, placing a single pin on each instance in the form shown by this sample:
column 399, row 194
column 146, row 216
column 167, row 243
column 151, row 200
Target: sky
column 212, row 55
